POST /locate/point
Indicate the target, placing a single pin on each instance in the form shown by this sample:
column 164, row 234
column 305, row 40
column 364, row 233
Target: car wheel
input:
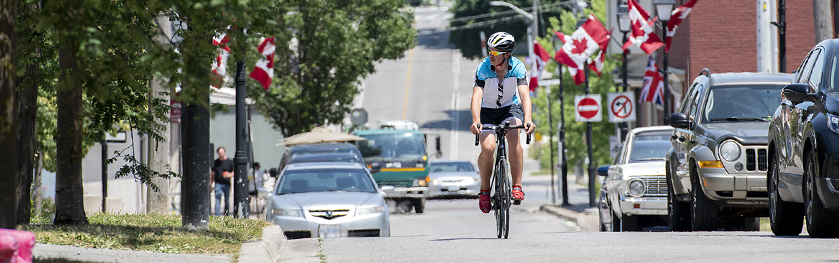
column 419, row 205
column 821, row 223
column 678, row 212
column 704, row 213
column 785, row 218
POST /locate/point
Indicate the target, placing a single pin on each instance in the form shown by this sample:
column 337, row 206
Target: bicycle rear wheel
column 497, row 200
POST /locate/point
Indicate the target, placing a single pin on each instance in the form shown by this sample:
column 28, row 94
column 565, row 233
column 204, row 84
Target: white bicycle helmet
column 502, row 41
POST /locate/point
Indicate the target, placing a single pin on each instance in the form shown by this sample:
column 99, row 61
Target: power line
column 543, row 9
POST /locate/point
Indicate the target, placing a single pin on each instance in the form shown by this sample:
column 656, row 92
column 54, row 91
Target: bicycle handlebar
column 501, row 128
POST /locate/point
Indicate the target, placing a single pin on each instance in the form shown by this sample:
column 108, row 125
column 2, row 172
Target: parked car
column 634, row 192
column 328, row 200
column 716, row 167
column 297, row 151
column 803, row 141
column 453, row 178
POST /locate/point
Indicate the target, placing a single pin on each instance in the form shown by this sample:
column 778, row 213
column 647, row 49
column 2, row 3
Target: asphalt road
column 432, row 85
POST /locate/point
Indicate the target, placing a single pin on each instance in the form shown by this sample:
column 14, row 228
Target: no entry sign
column 620, row 106
column 587, row 108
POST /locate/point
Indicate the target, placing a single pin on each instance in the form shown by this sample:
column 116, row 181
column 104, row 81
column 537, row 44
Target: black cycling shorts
column 499, row 115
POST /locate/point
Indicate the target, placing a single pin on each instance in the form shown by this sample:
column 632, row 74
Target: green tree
column 577, row 152
column 474, row 16
column 324, row 48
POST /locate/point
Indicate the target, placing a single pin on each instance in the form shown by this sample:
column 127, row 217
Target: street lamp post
column 624, row 26
column 663, row 9
column 531, row 34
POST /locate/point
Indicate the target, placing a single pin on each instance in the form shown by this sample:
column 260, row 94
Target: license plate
column 454, row 188
column 329, row 231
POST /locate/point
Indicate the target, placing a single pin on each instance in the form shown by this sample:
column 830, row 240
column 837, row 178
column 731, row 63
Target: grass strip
column 157, row 233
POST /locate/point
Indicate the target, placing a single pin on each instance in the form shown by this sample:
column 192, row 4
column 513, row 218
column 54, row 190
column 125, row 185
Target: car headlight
column 287, row 212
column 729, row 151
column 420, row 182
column 833, row 122
column 469, row 180
column 636, row 188
column 435, row 182
column 370, row 210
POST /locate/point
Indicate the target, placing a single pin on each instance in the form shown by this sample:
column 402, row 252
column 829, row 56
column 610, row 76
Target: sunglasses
column 496, row 53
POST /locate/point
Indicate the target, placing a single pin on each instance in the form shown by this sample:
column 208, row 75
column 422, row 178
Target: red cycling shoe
column 518, row 195
column 484, row 202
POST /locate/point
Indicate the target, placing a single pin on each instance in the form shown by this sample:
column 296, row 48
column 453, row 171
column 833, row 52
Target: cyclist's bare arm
column 524, row 92
column 475, row 106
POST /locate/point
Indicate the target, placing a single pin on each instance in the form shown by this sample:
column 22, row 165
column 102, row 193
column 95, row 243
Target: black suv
column 716, row 167
column 803, row 146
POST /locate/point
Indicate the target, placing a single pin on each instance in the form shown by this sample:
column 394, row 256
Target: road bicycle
column 501, row 184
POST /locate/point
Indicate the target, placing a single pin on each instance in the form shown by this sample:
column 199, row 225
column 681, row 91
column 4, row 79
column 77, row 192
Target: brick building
column 720, row 35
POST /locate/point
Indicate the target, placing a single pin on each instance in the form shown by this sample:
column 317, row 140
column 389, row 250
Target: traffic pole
column 197, row 156
column 591, row 175
column 564, row 169
column 551, row 141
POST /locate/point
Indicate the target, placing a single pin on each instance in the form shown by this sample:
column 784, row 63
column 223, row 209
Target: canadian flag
column 675, row 19
column 219, row 68
column 537, row 65
column 580, row 46
column 596, row 65
column 264, row 70
column 642, row 33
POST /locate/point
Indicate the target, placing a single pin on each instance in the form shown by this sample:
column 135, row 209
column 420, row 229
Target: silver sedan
column 328, row 200
column 453, row 178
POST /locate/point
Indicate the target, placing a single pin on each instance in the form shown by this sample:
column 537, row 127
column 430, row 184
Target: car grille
column 656, row 185
column 756, row 159
column 330, row 214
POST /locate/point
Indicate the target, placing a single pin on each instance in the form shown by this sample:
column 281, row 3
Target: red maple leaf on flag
column 580, row 46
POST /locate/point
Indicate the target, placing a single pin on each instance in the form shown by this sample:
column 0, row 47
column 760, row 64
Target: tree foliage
column 324, row 49
column 577, row 151
column 474, row 16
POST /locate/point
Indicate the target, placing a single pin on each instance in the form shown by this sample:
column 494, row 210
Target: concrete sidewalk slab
column 48, row 251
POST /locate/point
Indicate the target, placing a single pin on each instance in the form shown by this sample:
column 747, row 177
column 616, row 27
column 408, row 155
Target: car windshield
column 392, row 146
column 650, row 146
column 452, row 167
column 729, row 103
column 325, row 180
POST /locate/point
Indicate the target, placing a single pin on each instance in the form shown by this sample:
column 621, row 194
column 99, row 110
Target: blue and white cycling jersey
column 499, row 94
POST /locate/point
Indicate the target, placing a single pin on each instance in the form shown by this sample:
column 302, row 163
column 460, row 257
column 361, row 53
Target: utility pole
column 822, row 20
column 195, row 120
column 157, row 202
column 782, row 36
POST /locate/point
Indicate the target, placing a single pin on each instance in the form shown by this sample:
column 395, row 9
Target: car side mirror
column 603, row 170
column 680, row 121
column 375, row 168
column 273, row 172
column 797, row 93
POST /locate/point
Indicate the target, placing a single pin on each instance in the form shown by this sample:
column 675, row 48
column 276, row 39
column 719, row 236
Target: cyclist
column 498, row 99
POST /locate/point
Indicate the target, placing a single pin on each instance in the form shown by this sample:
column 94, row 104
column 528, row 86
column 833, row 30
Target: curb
column 265, row 250
column 571, row 216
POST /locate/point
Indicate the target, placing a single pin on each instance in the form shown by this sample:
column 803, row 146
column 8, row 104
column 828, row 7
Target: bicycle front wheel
column 497, row 198
column 507, row 195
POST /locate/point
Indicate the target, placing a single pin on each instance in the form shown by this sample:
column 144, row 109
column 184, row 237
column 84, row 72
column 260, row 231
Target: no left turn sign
column 621, row 107
column 587, row 108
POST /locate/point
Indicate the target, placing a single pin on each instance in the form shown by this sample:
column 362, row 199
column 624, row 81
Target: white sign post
column 587, row 108
column 621, row 107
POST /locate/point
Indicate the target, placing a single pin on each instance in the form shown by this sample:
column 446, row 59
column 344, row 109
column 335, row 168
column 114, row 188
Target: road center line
column 407, row 86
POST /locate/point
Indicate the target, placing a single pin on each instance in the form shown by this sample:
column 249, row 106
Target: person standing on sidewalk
column 221, row 173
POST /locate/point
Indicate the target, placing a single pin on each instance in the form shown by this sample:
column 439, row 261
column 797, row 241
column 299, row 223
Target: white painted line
column 455, row 103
